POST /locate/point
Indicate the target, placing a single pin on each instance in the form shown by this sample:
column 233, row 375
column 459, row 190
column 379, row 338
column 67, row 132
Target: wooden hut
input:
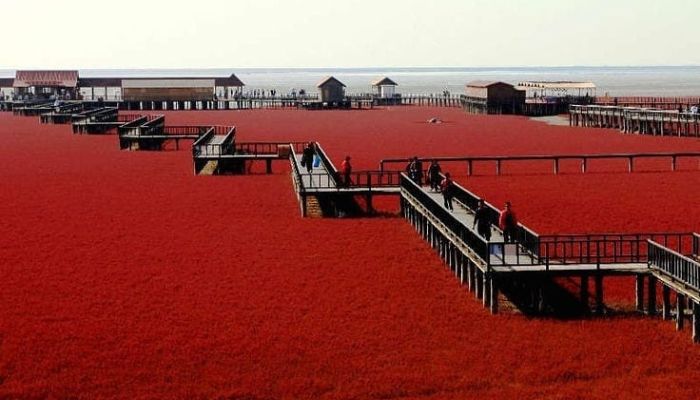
column 108, row 89
column 179, row 88
column 384, row 88
column 493, row 97
column 331, row 90
column 46, row 84
column 6, row 89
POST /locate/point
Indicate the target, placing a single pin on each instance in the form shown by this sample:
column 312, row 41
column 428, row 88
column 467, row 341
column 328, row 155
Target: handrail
column 370, row 180
column 202, row 139
column 678, row 266
column 295, row 169
column 630, row 157
column 524, row 235
column 330, row 167
column 605, row 248
column 473, row 240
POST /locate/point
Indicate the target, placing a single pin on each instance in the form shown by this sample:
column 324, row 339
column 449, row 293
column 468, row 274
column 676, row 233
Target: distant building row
column 489, row 97
column 68, row 85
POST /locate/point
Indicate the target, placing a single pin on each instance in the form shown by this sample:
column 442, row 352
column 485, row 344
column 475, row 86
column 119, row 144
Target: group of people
column 507, row 221
column 311, row 160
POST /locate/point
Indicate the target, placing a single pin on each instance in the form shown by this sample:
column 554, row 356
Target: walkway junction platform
column 522, row 272
column 643, row 121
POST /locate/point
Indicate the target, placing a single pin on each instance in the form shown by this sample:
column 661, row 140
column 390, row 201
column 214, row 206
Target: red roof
column 67, row 79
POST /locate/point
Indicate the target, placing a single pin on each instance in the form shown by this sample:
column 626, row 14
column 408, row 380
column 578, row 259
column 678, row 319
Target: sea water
column 614, row 81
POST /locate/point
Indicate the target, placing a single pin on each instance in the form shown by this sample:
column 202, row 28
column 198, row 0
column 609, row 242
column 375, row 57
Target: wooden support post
column 673, row 163
column 584, row 291
column 268, row 166
column 478, row 290
column 486, row 299
column 494, row 296
column 599, row 293
column 471, row 281
column 498, row 167
column 680, row 311
column 696, row 323
column 584, row 161
column 370, row 209
column 470, row 168
column 651, row 295
column 630, row 164
column 665, row 302
column 639, row 291
column 556, row 166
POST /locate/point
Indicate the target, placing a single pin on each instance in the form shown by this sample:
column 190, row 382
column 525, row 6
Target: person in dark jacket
column 418, row 165
column 508, row 223
column 307, row 157
column 434, row 175
column 482, row 220
column 447, row 188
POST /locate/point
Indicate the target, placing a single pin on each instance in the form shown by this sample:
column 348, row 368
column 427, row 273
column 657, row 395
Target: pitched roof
column 229, row 81
column 330, row 80
column 6, row 82
column 46, row 78
column 384, row 82
column 483, row 84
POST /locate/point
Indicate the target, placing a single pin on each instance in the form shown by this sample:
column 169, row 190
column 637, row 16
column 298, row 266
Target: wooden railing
column 674, row 264
column 458, row 228
column 554, row 159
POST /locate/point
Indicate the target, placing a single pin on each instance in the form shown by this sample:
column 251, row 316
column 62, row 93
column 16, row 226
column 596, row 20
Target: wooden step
column 313, row 208
column 209, row 168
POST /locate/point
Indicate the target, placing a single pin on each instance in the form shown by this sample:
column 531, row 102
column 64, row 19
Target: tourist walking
column 346, row 169
column 447, row 188
column 410, row 169
column 418, row 166
column 482, row 221
column 508, row 223
column 307, row 157
column 434, row 175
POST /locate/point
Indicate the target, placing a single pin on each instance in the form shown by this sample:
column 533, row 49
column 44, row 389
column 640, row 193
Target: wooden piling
column 665, row 302
column 478, row 290
column 651, row 295
column 696, row 323
column 599, row 294
column 486, row 299
column 584, row 291
column 639, row 291
column 494, row 296
column 680, row 311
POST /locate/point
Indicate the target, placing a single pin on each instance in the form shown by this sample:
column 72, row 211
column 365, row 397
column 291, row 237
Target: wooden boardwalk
column 643, row 121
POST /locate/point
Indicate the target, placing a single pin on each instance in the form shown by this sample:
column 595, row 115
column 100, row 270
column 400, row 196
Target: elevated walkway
column 483, row 265
column 336, row 196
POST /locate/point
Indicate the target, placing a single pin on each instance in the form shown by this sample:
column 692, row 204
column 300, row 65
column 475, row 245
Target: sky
column 351, row 33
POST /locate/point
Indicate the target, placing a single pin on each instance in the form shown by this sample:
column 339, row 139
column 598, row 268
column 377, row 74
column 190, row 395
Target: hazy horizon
column 314, row 34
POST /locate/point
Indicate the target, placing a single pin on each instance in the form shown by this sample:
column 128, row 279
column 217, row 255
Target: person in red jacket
column 508, row 223
column 346, row 170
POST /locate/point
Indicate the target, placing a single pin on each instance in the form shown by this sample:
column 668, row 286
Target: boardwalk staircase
column 337, row 197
